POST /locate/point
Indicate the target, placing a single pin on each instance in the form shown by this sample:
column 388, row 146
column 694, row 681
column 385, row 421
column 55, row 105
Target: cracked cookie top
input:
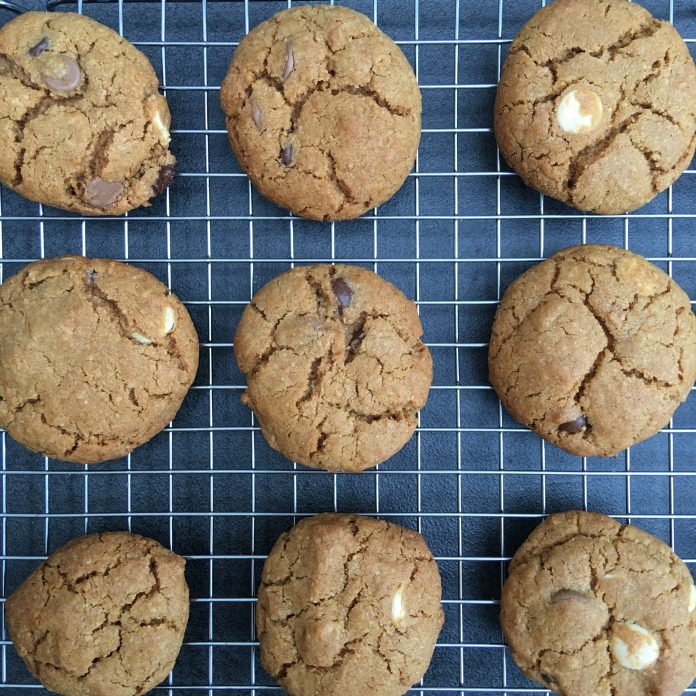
column 335, row 367
column 323, row 112
column 595, row 607
column 593, row 349
column 596, row 104
column 82, row 125
column 95, row 357
column 348, row 605
column 105, row 614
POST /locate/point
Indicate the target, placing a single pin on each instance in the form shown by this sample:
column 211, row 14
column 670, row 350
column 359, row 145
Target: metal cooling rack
column 472, row 480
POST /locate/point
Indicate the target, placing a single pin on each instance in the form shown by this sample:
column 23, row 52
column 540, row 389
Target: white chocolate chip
column 398, row 606
column 692, row 598
column 579, row 111
column 164, row 136
column 138, row 337
column 633, row 646
column 168, row 321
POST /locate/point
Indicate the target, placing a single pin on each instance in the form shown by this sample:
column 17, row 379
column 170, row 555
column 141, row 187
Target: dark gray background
column 452, row 239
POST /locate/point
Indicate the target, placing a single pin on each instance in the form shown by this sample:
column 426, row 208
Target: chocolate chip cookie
column 595, row 607
column 348, row 605
column 95, row 357
column 335, row 367
column 323, row 112
column 596, row 104
column 82, row 125
column 593, row 349
column 105, row 614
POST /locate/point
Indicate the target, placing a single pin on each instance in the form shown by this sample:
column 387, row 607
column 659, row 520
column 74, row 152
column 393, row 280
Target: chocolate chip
column 343, row 292
column 286, row 155
column 574, row 426
column 91, row 275
column 39, row 48
column 289, row 62
column 256, row 115
column 566, row 595
column 100, row 193
column 65, row 80
column 164, row 180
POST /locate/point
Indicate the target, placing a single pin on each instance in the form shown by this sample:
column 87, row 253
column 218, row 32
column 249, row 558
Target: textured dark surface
column 200, row 236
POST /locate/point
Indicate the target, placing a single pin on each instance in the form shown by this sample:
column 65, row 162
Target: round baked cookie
column 335, row 367
column 348, row 605
column 595, row 607
column 105, row 614
column 95, row 357
column 593, row 349
column 82, row 125
column 596, row 104
column 323, row 112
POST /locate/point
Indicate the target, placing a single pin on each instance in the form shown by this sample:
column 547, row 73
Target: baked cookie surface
column 105, row 614
column 82, row 125
column 323, row 112
column 336, row 371
column 95, row 357
column 348, row 605
column 593, row 349
column 595, row 607
column 596, row 104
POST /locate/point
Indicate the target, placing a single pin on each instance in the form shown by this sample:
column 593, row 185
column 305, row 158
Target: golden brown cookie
column 596, row 104
column 105, row 614
column 336, row 371
column 82, row 125
column 95, row 357
column 348, row 605
column 593, row 349
column 595, row 607
column 323, row 112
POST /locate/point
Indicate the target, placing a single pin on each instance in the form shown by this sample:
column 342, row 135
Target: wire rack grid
column 463, row 226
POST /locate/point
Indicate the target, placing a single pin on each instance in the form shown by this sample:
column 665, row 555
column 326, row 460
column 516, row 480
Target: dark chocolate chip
column 343, row 292
column 100, row 193
column 286, row 155
column 574, row 426
column 39, row 48
column 91, row 275
column 166, row 176
column 64, row 80
column 289, row 62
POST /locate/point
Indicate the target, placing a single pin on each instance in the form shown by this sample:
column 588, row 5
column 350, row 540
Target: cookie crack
column 404, row 413
column 590, row 154
column 19, row 73
column 355, row 335
column 612, row 50
column 340, row 183
column 313, row 381
column 369, row 93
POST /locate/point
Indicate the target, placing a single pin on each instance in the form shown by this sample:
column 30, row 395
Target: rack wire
column 471, row 480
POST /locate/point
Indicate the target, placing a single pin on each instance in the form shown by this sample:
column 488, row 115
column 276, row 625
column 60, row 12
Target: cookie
column 595, row 607
column 348, row 605
column 335, row 367
column 323, row 112
column 95, row 357
column 596, row 104
column 593, row 349
column 105, row 614
column 82, row 125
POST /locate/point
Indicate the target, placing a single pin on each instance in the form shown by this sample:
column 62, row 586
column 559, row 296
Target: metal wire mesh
column 471, row 480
